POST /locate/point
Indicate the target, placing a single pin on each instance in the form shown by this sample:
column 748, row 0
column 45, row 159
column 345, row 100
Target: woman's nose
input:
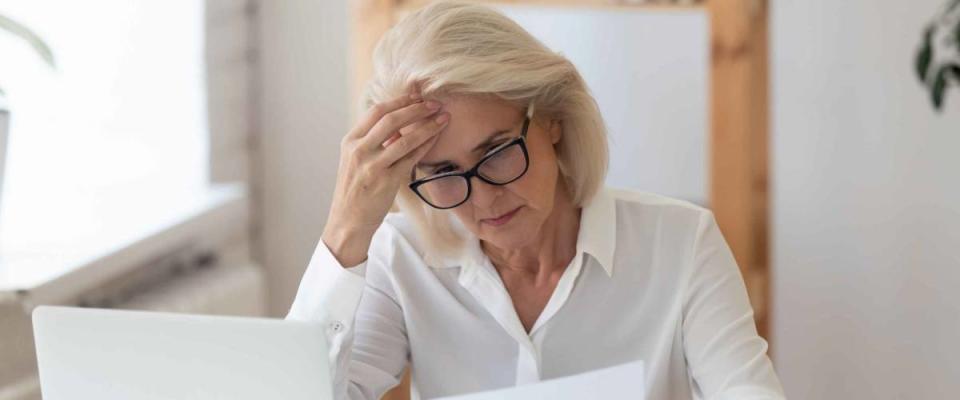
column 484, row 194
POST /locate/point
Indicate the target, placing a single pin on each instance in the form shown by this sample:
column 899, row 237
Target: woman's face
column 508, row 216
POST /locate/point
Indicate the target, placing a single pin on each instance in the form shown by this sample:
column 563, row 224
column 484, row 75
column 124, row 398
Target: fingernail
column 442, row 118
column 433, row 105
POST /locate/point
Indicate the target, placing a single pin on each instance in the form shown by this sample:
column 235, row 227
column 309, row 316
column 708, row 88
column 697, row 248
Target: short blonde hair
column 455, row 48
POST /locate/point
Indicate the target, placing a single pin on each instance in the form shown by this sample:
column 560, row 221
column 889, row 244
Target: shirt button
column 336, row 326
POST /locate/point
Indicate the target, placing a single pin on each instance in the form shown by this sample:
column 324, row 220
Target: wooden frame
column 739, row 119
column 739, row 140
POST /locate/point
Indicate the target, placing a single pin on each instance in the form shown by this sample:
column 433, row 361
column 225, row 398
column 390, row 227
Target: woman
column 508, row 262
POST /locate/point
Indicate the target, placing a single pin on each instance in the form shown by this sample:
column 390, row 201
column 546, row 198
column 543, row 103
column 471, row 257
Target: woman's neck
column 552, row 249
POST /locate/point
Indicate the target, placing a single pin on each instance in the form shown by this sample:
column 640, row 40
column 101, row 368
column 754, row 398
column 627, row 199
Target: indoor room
column 487, row 199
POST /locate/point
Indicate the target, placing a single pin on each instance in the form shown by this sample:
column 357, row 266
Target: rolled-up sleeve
column 726, row 357
column 365, row 331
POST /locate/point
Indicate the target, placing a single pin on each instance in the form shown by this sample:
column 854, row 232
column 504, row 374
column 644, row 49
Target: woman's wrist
column 348, row 245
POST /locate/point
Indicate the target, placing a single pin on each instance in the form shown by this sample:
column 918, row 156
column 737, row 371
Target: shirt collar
column 597, row 236
column 598, row 229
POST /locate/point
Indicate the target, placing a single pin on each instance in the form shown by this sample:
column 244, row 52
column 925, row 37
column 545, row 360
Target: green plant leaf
column 28, row 36
column 925, row 55
column 938, row 89
column 956, row 32
column 955, row 70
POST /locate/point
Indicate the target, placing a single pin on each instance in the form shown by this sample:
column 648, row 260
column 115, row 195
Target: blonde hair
column 456, row 48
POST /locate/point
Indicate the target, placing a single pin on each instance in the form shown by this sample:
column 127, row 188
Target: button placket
column 528, row 369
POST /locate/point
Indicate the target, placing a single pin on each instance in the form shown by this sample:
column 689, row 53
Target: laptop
column 85, row 353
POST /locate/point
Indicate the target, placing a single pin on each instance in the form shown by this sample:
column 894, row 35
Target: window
column 125, row 108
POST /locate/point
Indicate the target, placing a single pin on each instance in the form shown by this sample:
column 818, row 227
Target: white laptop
column 85, row 353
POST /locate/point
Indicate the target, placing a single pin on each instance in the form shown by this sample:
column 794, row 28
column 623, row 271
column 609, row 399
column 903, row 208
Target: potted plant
column 938, row 60
column 10, row 26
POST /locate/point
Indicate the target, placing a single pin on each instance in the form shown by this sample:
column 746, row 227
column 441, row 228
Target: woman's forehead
column 473, row 120
column 478, row 109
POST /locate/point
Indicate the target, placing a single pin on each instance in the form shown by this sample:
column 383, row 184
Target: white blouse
column 652, row 279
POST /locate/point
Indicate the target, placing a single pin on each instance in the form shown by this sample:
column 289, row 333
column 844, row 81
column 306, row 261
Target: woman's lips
column 503, row 219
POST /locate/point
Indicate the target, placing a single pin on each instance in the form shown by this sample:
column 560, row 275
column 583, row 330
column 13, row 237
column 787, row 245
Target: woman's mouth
column 503, row 219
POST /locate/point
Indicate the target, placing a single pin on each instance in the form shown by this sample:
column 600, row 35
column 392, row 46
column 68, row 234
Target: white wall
column 648, row 72
column 303, row 114
column 866, row 206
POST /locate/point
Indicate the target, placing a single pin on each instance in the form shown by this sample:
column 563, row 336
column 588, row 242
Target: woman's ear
column 556, row 130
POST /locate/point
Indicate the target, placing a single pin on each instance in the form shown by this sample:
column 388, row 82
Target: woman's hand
column 376, row 158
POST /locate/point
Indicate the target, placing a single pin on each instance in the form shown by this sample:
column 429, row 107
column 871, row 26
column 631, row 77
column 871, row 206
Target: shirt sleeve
column 365, row 330
column 726, row 357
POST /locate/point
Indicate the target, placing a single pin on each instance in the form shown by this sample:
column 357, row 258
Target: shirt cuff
column 359, row 270
column 328, row 292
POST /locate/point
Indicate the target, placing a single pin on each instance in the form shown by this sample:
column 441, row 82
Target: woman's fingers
column 405, row 165
column 405, row 131
column 395, row 136
column 378, row 111
column 402, row 147
column 396, row 120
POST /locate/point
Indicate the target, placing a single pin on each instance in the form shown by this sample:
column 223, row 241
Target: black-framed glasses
column 502, row 165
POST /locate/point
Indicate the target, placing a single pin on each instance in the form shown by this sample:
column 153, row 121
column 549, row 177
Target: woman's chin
column 514, row 233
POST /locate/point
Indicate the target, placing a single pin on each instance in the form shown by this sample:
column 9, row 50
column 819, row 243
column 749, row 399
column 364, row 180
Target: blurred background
column 181, row 156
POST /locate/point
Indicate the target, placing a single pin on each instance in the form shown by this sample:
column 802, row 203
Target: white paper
column 618, row 382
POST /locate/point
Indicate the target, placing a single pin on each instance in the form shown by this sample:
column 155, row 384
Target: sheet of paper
column 618, row 382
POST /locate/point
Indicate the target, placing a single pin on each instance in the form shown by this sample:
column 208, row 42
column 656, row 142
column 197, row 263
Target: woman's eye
column 444, row 169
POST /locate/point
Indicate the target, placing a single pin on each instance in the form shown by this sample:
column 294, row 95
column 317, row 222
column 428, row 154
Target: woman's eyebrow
column 482, row 146
column 486, row 143
column 425, row 165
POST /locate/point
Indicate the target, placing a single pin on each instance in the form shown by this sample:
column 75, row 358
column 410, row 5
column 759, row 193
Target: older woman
column 508, row 262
